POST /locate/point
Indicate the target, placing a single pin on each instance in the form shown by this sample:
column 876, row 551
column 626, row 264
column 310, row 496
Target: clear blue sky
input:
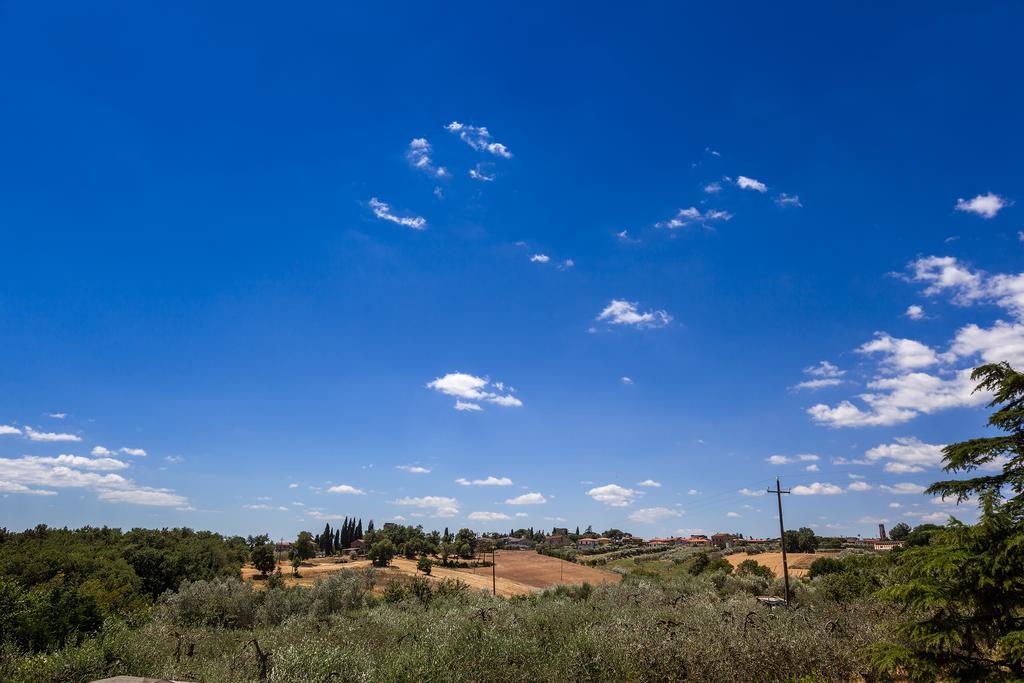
column 228, row 242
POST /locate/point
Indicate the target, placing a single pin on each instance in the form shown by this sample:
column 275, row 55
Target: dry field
column 518, row 572
column 799, row 563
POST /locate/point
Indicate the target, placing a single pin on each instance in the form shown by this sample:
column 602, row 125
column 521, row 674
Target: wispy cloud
column 383, row 211
column 413, row 469
column 488, row 481
column 791, row 200
column 622, row 312
column 479, row 138
column 472, row 388
column 50, row 437
column 440, row 506
column 346, row 489
column 684, row 218
column 418, row 156
column 817, row 489
column 487, row 516
column 745, row 183
column 652, row 515
column 527, row 499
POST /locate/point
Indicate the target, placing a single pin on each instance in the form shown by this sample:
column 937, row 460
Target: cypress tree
column 369, row 527
column 359, row 529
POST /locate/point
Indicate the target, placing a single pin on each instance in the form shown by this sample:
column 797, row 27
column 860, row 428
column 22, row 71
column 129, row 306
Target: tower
column 881, row 532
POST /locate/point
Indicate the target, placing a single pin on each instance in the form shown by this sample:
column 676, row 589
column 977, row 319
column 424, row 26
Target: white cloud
column 783, row 199
column 732, row 514
column 473, row 388
column 650, row 483
column 418, row 156
column 895, row 505
column 131, row 451
column 693, row 492
column 14, row 487
column 382, row 211
column 482, row 173
column 346, row 489
column 540, row 258
column 900, row 354
column 811, row 468
column 441, row 506
column 713, row 188
column 489, row 481
column 8, row 429
column 652, row 515
column 824, row 374
column 144, row 496
column 522, row 514
column 613, row 495
column 684, row 218
column 19, row 475
column 914, row 312
column 745, row 183
column 621, row 312
column 817, row 489
column 946, row 273
column 625, row 380
column 479, row 138
column 101, row 451
column 750, row 492
column 985, row 205
column 900, row 399
column 566, row 264
column 527, row 499
column 293, row 486
column 859, row 486
column 174, row 459
column 1002, row 341
column 413, row 469
column 49, row 437
column 487, row 516
column 906, row 454
column 57, row 416
column 788, row 460
column 902, row 489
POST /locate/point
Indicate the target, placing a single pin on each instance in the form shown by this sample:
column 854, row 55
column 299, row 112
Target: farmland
column 799, row 563
column 517, row 573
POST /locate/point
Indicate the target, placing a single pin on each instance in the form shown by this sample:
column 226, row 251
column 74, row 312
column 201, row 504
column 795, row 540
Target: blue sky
column 275, row 251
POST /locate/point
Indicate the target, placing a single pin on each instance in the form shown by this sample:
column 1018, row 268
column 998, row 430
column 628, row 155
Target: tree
column 900, row 531
column 752, row 568
column 801, row 541
column 263, row 558
column 305, row 547
column 963, row 587
column 382, row 552
column 425, row 565
column 296, row 563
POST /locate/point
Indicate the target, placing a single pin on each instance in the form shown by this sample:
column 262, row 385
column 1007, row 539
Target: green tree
column 305, row 546
column 964, row 587
column 801, row 541
column 263, row 558
column 900, row 531
column 296, row 563
column 382, row 552
column 425, row 565
column 752, row 568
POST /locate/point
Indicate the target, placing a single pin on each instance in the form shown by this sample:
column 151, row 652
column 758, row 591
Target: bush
column 752, row 568
column 227, row 603
column 823, row 566
column 425, row 565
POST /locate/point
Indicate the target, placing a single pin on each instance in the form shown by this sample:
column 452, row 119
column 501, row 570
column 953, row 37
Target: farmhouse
column 513, row 543
column 588, row 542
column 557, row 540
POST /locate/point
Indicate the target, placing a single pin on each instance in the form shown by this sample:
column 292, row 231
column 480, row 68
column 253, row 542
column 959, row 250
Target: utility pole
column 494, row 576
column 782, row 535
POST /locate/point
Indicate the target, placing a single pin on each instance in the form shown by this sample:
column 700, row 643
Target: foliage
column 964, row 588
column 801, row 541
column 262, row 557
column 425, row 565
column 686, row 630
column 752, row 568
column 305, row 546
column 899, row 531
column 382, row 552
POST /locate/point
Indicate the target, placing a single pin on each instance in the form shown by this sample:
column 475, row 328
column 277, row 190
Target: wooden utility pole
column 494, row 576
column 782, row 536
